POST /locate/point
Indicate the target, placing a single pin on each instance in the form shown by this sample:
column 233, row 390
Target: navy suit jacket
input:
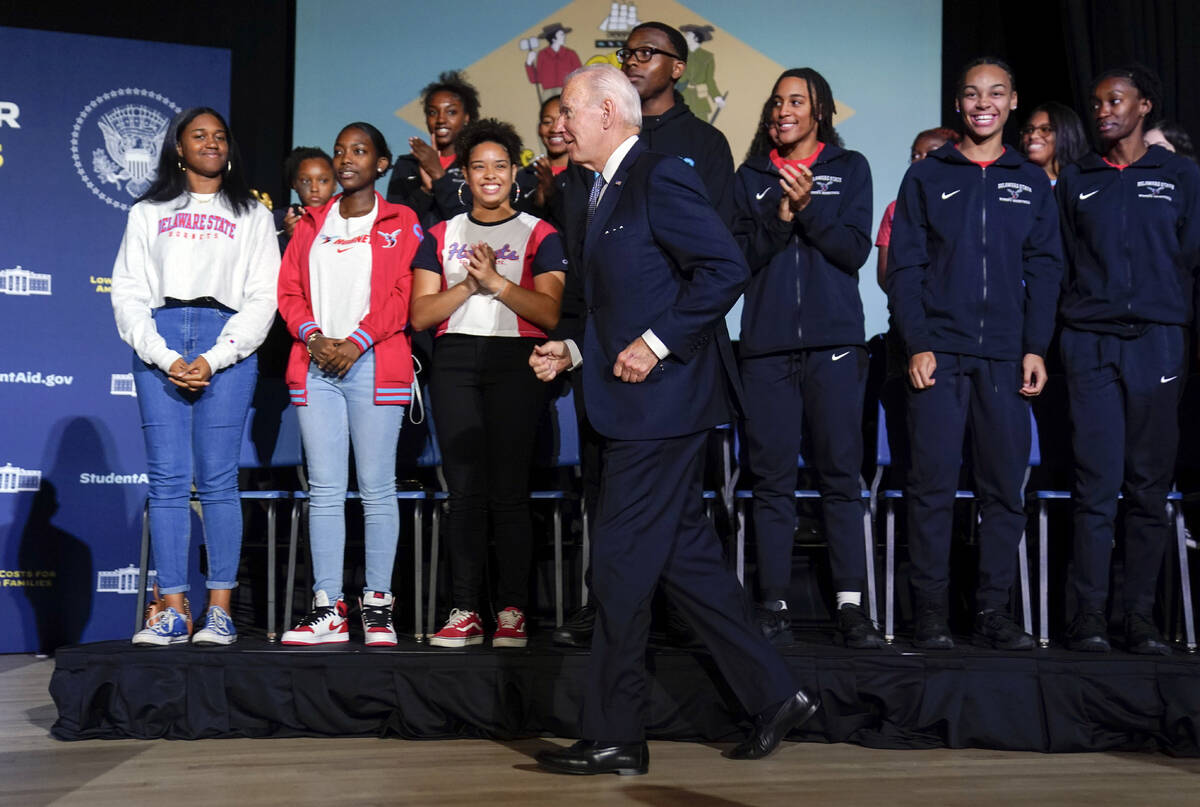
column 657, row 256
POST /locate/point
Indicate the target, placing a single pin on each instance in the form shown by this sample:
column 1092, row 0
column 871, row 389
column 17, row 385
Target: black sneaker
column 576, row 630
column 1141, row 636
column 1088, row 632
column 855, row 628
column 997, row 629
column 931, row 631
column 775, row 622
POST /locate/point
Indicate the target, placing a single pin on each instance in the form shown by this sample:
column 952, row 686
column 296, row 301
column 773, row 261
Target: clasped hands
column 190, row 376
column 632, row 366
column 333, row 356
column 482, row 276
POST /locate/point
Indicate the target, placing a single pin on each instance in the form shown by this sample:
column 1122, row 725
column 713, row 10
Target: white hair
column 605, row 81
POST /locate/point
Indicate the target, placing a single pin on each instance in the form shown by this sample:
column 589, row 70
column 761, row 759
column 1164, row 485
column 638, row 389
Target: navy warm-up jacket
column 804, row 287
column 1132, row 242
column 975, row 260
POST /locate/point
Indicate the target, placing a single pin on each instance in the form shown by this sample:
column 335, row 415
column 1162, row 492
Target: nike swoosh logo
column 343, row 249
column 946, row 196
column 1089, row 195
column 837, row 356
column 1165, row 380
column 761, row 194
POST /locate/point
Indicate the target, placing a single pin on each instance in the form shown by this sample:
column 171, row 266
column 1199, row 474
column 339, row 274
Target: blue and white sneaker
column 166, row 627
column 218, row 628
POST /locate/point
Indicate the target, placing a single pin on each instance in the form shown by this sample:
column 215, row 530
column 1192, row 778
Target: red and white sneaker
column 462, row 628
column 510, row 628
column 376, row 610
column 326, row 623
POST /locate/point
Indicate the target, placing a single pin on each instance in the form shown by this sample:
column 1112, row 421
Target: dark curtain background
column 1056, row 47
column 260, row 35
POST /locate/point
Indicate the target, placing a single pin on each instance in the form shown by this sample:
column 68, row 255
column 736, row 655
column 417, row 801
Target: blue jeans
column 342, row 412
column 194, row 435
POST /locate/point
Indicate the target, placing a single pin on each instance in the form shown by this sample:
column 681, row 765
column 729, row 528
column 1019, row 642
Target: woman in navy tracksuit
column 972, row 282
column 804, row 222
column 1131, row 234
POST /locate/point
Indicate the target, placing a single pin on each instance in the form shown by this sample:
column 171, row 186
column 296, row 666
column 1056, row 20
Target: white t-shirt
column 191, row 247
column 339, row 272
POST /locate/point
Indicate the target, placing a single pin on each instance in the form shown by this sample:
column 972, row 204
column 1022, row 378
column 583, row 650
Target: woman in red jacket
column 344, row 293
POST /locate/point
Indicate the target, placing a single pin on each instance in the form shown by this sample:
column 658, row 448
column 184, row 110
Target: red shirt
column 807, row 162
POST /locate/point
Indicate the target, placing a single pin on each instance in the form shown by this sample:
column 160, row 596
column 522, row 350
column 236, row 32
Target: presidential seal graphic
column 116, row 141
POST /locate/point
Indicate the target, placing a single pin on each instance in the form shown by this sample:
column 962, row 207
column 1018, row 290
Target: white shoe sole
column 509, row 642
column 159, row 641
column 205, row 639
column 306, row 640
column 441, row 641
column 380, row 641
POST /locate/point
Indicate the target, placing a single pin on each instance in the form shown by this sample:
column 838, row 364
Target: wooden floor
column 37, row 770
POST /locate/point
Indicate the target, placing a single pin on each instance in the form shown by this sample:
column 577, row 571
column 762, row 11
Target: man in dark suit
column 660, row 271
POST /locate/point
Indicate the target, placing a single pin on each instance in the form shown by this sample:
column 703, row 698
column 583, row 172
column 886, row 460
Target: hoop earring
column 460, row 199
column 516, row 188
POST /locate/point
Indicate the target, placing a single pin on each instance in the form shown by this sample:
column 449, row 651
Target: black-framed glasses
column 643, row 54
column 1045, row 130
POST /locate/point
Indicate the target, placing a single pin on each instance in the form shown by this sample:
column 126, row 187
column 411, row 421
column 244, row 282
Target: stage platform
column 1045, row 700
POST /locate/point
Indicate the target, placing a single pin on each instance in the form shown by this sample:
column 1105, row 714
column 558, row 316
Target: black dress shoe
column 576, row 630
column 588, row 757
column 931, row 631
column 772, row 726
column 1142, row 637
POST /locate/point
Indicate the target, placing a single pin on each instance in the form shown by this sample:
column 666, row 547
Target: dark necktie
column 594, row 197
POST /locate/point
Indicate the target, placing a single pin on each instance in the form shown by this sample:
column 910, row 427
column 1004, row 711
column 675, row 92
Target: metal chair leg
column 889, row 571
column 740, row 537
column 418, row 561
column 558, row 564
column 434, row 536
column 1185, row 581
column 1023, row 565
column 1043, row 574
column 271, row 513
column 586, row 549
column 869, row 538
column 143, row 568
column 293, row 539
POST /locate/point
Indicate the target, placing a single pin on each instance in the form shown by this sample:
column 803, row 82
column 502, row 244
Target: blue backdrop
column 81, row 121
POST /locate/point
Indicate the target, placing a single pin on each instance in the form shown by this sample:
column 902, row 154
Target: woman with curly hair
column 491, row 281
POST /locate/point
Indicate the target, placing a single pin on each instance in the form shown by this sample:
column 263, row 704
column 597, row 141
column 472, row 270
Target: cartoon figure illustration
column 548, row 68
column 698, row 84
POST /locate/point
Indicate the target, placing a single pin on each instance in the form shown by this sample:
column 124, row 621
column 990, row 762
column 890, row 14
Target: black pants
column 825, row 389
column 984, row 395
column 487, row 403
column 652, row 527
column 1125, row 432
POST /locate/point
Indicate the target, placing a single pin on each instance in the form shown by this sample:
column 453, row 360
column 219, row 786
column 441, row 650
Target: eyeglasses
column 643, row 55
column 1045, row 130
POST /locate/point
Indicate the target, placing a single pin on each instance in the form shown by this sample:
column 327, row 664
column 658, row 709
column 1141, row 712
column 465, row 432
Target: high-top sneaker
column 326, row 623
column 376, row 610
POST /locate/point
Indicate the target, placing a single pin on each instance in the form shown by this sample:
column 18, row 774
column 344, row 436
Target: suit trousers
column 984, row 395
column 823, row 388
column 652, row 527
column 1124, row 398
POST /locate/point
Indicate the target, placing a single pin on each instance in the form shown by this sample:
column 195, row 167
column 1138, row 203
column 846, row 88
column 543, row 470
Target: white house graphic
column 122, row 384
column 23, row 282
column 19, row 480
column 122, row 581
